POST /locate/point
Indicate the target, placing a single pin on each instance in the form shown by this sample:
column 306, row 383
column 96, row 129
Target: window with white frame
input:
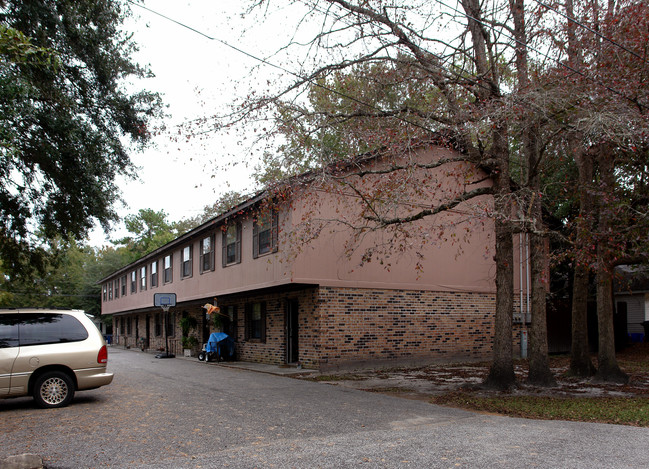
column 207, row 253
column 154, row 274
column 143, row 278
column 232, row 244
column 168, row 273
column 133, row 282
column 186, row 262
column 264, row 233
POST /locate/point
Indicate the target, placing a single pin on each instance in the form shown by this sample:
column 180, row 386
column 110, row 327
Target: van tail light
column 102, row 356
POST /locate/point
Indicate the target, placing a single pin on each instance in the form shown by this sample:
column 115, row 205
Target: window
column 50, row 328
column 110, row 290
column 232, row 244
column 167, row 269
column 123, row 282
column 256, row 322
column 158, row 325
column 207, row 254
column 230, row 322
column 116, row 288
column 133, row 282
column 264, row 234
column 186, row 262
column 129, row 328
column 154, row 274
column 9, row 331
column 142, row 278
column 171, row 322
column 104, row 293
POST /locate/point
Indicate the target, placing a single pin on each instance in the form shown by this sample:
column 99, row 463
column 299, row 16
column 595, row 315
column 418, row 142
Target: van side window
column 8, row 330
column 50, row 328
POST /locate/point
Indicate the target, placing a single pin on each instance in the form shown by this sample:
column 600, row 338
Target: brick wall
column 359, row 325
column 341, row 327
column 273, row 350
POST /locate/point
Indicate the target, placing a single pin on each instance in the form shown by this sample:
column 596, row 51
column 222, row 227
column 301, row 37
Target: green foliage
column 618, row 410
column 190, row 342
column 370, row 106
column 69, row 279
column 149, row 231
column 188, row 324
column 225, row 202
column 62, row 145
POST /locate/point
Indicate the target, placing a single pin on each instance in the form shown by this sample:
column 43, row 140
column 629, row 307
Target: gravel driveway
column 177, row 413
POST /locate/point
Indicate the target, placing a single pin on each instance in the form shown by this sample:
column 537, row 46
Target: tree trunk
column 580, row 362
column 501, row 374
column 540, row 373
column 607, row 369
column 539, row 365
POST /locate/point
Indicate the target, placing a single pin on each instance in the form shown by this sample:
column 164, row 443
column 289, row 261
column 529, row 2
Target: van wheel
column 53, row 389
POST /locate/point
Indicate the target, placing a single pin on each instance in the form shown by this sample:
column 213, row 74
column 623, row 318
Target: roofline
column 439, row 139
column 218, row 220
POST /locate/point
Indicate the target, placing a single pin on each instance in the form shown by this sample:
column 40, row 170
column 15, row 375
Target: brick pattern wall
column 273, row 350
column 369, row 324
column 341, row 327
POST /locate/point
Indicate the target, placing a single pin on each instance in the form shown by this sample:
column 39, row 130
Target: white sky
column 198, row 77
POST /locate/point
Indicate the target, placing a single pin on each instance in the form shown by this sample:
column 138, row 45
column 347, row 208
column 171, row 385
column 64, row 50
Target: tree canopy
column 65, row 110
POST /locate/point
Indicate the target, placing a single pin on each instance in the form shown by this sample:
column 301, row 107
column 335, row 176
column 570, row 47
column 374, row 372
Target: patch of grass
column 388, row 390
column 617, row 410
column 341, row 377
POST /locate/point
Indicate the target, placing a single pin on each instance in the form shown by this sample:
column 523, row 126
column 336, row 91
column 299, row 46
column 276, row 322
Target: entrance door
column 292, row 332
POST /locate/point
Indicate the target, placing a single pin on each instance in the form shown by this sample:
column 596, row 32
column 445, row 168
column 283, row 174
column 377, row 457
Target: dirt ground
column 427, row 381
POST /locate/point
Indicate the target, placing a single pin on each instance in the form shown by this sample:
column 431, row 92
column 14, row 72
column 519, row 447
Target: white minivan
column 49, row 354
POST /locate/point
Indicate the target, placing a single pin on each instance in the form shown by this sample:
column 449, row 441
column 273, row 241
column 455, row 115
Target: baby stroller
column 219, row 347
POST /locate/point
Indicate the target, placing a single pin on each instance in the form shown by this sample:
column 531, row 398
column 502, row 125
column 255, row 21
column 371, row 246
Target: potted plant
column 190, row 342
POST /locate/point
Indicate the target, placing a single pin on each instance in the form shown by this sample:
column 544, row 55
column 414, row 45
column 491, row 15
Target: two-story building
column 302, row 278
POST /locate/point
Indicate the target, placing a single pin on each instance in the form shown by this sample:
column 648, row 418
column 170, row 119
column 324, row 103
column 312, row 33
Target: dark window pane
column 48, row 328
column 8, row 330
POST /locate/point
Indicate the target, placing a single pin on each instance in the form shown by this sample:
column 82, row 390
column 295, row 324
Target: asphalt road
column 177, row 413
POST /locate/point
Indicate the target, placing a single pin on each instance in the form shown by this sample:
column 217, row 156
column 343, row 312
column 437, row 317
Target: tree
column 150, row 230
column 64, row 113
column 600, row 108
column 465, row 98
column 69, row 279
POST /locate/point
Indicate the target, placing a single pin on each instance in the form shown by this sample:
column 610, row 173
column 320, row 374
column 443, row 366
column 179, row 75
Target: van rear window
column 8, row 330
column 50, row 328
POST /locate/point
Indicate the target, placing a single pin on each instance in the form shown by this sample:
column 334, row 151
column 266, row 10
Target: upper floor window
column 116, row 288
column 105, row 292
column 133, row 282
column 207, row 253
column 143, row 278
column 232, row 244
column 110, row 290
column 186, row 262
column 167, row 269
column 123, row 282
column 264, row 234
column 154, row 274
